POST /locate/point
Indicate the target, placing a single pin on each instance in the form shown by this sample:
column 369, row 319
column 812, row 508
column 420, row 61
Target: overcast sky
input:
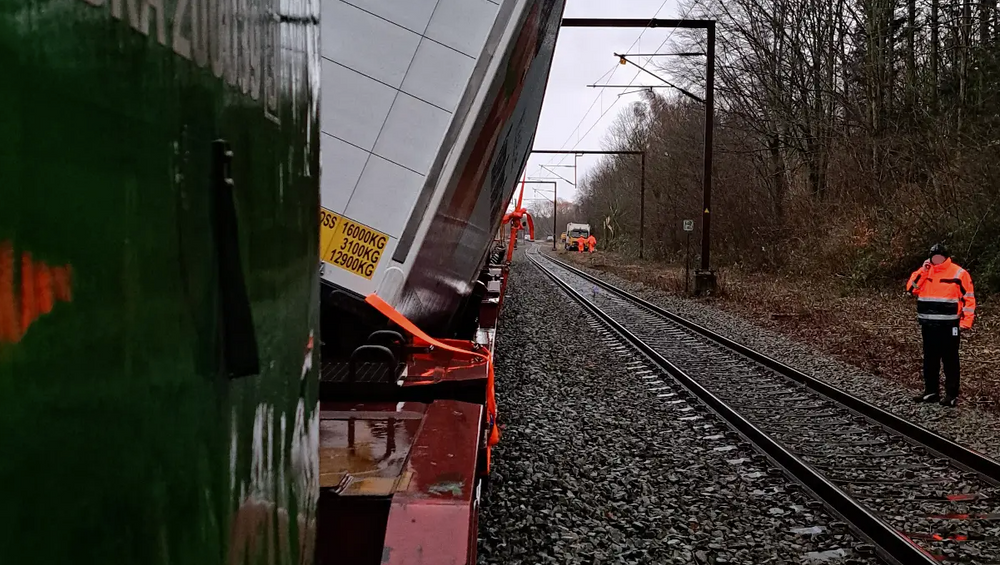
column 584, row 56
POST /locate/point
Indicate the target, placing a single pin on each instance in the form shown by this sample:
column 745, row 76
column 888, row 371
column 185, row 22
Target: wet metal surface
column 434, row 515
column 363, row 448
column 440, row 365
column 421, row 459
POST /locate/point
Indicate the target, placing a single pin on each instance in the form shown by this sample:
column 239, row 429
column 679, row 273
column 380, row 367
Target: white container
column 407, row 88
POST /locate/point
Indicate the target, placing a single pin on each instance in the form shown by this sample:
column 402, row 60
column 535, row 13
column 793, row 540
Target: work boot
column 949, row 401
column 927, row 397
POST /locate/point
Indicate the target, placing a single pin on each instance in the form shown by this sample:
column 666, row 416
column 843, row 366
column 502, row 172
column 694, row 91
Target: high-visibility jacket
column 592, row 241
column 945, row 296
column 580, row 244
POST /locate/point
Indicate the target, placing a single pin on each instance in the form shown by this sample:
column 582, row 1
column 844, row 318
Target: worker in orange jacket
column 946, row 305
column 580, row 244
column 592, row 242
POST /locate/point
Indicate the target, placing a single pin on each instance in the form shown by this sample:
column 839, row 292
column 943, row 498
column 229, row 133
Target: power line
column 637, row 73
column 610, row 72
column 642, row 68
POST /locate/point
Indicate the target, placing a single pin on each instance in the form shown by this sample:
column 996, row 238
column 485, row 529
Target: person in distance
column 946, row 306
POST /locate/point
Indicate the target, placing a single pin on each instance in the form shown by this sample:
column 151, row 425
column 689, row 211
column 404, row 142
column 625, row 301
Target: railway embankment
column 867, row 345
column 604, row 461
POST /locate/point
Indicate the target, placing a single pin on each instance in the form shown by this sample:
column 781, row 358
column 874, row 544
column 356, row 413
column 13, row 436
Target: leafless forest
column 850, row 135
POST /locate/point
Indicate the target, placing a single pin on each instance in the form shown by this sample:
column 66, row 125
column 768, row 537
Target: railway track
column 915, row 496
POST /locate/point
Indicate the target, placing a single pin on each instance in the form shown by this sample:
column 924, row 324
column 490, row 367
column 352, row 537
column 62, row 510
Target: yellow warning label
column 349, row 245
column 327, row 222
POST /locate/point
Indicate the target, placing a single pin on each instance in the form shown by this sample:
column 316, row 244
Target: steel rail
column 964, row 457
column 889, row 544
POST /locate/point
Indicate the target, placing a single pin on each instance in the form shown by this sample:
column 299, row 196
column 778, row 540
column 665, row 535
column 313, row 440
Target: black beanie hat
column 939, row 249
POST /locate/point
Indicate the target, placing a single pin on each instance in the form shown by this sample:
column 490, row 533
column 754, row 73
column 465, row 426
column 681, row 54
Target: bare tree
column 853, row 129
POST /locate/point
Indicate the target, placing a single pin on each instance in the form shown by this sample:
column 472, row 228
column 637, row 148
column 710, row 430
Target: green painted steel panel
column 123, row 439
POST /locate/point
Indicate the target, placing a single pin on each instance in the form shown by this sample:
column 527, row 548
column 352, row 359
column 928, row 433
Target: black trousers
column 941, row 346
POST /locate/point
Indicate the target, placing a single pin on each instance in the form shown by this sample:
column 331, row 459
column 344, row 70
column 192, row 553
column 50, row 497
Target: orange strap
column 400, row 320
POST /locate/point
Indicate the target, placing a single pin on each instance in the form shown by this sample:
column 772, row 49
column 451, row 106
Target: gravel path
column 596, row 468
column 966, row 425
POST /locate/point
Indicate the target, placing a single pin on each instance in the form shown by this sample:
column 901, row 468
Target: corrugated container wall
column 409, row 89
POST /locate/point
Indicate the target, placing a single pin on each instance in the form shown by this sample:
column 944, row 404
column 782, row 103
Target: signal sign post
column 688, row 228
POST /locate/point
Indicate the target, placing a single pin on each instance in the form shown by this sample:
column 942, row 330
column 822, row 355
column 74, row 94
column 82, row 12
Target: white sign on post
column 688, row 225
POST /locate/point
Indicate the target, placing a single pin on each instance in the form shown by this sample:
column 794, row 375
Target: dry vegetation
column 850, row 136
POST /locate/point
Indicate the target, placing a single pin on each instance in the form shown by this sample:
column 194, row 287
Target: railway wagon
column 429, row 110
column 159, row 204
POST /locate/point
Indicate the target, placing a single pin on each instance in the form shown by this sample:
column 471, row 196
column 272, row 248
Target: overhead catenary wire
column 610, row 72
column 684, row 16
column 637, row 73
column 683, row 91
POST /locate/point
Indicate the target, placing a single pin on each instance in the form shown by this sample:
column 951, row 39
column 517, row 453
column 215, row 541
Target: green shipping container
column 159, row 205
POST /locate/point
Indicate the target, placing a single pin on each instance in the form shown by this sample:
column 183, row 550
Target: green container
column 158, row 384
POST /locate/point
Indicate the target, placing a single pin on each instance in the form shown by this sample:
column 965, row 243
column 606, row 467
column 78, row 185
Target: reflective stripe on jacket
column 945, row 295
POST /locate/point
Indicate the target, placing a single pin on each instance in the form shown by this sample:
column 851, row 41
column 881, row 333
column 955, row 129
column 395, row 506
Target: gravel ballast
column 966, row 424
column 604, row 460
column 903, row 483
